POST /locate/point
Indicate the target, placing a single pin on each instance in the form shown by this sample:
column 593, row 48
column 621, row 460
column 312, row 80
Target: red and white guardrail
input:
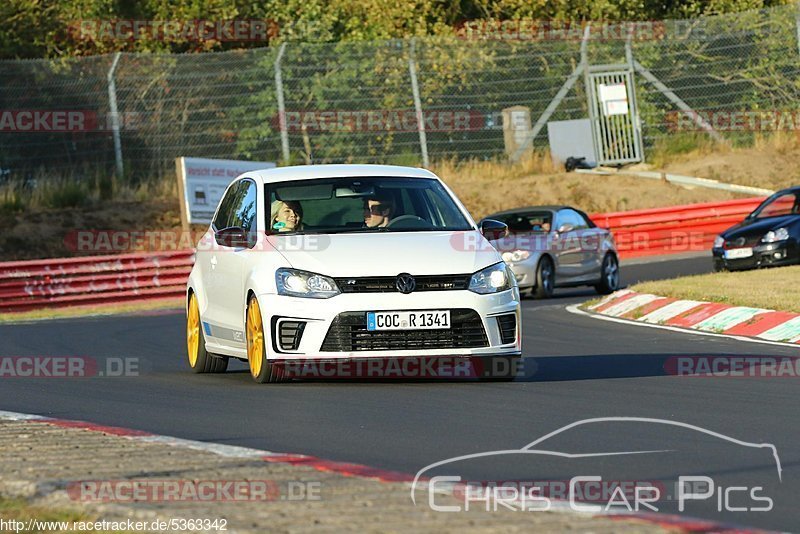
column 64, row 282
column 674, row 229
column 93, row 280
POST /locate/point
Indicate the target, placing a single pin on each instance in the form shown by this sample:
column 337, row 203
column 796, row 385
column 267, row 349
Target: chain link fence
column 356, row 102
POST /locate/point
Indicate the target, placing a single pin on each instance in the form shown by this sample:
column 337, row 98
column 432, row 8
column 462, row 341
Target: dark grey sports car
column 770, row 236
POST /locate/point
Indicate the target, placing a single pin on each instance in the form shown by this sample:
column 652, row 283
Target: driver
column 378, row 210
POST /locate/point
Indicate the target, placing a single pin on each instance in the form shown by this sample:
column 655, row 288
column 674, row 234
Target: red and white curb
column 668, row 521
column 711, row 318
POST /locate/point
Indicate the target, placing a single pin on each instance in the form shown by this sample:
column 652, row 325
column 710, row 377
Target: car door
column 592, row 239
column 567, row 246
column 225, row 266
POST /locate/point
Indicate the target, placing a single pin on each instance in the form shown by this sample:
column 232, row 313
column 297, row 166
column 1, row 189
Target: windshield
column 526, row 222
column 350, row 205
column 778, row 206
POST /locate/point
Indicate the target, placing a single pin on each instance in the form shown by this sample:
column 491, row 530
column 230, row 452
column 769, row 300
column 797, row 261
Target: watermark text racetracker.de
column 67, row 367
column 65, row 121
column 154, row 240
column 727, row 366
column 200, row 491
column 200, row 30
column 403, row 368
column 108, row 241
column 536, row 30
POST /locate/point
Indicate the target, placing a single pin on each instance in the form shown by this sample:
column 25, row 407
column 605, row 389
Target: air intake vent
column 289, row 334
column 508, row 328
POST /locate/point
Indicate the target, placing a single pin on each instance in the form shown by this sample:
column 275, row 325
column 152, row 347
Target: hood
column 389, row 254
column 758, row 227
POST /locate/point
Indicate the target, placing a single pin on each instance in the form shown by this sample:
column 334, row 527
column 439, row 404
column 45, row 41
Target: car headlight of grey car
column 297, row 283
column 493, row 279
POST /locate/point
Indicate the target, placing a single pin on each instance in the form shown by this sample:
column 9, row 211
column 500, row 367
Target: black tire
column 609, row 275
column 545, row 279
column 205, row 362
column 269, row 372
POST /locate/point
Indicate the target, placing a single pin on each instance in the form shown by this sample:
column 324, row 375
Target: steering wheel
column 409, row 221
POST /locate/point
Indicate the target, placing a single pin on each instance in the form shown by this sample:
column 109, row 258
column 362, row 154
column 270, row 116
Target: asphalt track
column 576, row 368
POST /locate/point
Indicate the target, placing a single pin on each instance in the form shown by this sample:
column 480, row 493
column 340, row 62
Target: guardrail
column 673, row 229
column 57, row 283
column 64, row 282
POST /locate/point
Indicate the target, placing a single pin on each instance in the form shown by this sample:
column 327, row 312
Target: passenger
column 286, row 216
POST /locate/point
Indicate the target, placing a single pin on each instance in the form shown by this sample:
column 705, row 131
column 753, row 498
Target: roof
column 309, row 172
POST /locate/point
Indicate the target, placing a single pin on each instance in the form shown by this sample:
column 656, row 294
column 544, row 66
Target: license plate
column 738, row 253
column 408, row 320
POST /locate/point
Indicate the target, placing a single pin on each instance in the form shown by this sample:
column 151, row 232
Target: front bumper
column 525, row 271
column 319, row 315
column 764, row 255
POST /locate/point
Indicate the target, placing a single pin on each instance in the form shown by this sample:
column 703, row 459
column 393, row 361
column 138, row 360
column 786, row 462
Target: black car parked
column 770, row 236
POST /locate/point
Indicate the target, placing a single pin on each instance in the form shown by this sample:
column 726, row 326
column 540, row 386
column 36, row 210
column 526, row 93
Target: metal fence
column 731, row 77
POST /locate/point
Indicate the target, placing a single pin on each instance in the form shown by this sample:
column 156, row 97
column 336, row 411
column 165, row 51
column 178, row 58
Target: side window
column 244, row 211
column 225, row 210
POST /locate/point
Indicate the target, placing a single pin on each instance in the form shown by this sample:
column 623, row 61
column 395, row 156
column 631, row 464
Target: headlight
column 516, row 255
column 781, row 234
column 493, row 279
column 719, row 241
column 297, row 283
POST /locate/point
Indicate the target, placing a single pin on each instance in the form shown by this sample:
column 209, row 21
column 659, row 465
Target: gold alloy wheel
column 255, row 338
column 193, row 330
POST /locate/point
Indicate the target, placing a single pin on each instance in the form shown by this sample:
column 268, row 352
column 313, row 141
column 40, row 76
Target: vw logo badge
column 405, row 283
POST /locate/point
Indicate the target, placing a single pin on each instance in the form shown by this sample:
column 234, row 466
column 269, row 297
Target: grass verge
column 773, row 289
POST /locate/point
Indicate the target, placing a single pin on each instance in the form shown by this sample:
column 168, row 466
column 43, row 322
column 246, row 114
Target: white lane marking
column 630, row 304
column 227, row 451
column 673, row 309
column 14, row 416
column 577, row 311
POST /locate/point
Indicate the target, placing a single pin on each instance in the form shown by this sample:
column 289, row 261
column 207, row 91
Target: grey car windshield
column 526, row 222
column 361, row 205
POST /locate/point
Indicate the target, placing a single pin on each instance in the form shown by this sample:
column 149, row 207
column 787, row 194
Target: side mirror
column 492, row 229
column 234, row 237
column 564, row 228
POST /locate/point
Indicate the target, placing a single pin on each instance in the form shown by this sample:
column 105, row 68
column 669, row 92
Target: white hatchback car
column 344, row 262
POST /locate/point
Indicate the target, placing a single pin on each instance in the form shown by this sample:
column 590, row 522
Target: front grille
column 508, row 327
column 742, row 242
column 290, row 333
column 387, row 284
column 348, row 333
